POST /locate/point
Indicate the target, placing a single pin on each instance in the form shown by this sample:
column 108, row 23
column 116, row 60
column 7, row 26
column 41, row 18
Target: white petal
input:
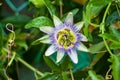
column 79, row 25
column 82, row 47
column 57, row 21
column 69, row 18
column 83, row 38
column 60, row 55
column 73, row 55
column 50, row 51
column 46, row 29
column 45, row 39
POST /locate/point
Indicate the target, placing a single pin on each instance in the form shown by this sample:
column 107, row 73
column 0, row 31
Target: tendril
column 107, row 76
column 10, row 28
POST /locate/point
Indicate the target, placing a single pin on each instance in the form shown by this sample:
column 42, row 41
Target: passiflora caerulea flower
column 64, row 38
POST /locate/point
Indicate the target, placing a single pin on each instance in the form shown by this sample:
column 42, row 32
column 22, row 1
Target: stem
column 103, row 21
column 60, row 8
column 118, row 10
column 71, row 74
column 29, row 66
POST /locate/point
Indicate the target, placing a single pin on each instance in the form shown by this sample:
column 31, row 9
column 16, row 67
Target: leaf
column 94, row 76
column 17, row 20
column 110, row 37
column 115, row 33
column 65, row 76
column 1, row 38
column 51, row 8
column 51, row 64
column 97, row 48
column 114, row 46
column 22, row 44
column 65, row 63
column 94, row 7
column 0, row 4
column 119, row 3
column 39, row 22
column 82, row 2
column 44, row 39
column 96, row 59
column 45, row 77
column 74, row 11
column 37, row 3
column 115, row 66
column 112, row 18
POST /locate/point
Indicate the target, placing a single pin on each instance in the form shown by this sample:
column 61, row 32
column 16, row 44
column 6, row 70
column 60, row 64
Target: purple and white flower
column 64, row 38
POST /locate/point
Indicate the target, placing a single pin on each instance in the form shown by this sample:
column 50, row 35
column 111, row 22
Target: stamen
column 66, row 38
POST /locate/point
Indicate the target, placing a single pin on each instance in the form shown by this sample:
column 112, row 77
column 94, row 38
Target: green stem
column 29, row 66
column 118, row 10
column 103, row 21
column 61, row 8
column 71, row 74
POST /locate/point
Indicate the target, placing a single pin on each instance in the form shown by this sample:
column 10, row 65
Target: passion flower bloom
column 64, row 38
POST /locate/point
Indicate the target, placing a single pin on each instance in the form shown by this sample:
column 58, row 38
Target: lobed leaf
column 115, row 66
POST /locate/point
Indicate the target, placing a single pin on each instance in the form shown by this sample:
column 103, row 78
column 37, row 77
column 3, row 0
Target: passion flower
column 64, row 38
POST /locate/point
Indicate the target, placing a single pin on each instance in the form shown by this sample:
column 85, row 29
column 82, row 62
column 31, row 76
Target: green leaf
column 22, row 44
column 110, row 37
column 65, row 63
column 115, row 33
column 74, row 11
column 0, row 4
column 114, row 46
column 51, row 8
column 115, row 66
column 37, row 3
column 96, row 59
column 97, row 48
column 1, row 40
column 51, row 64
column 93, row 9
column 65, row 76
column 45, row 77
column 112, row 18
column 39, row 22
column 94, row 76
column 17, row 20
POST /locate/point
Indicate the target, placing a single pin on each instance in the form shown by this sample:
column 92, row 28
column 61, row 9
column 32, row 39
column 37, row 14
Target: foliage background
column 101, row 18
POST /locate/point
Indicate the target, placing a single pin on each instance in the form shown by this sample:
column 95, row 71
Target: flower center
column 66, row 38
